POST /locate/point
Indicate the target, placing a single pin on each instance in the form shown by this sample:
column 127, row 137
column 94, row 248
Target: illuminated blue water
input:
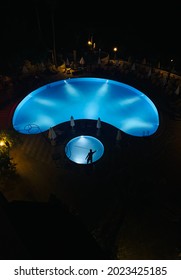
column 77, row 149
column 115, row 103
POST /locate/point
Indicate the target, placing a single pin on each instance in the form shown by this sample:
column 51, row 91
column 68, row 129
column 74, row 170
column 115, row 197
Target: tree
column 7, row 166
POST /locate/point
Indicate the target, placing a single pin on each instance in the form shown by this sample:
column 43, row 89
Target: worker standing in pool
column 90, row 156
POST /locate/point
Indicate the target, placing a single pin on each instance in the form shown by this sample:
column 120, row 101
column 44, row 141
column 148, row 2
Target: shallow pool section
column 116, row 103
column 77, row 149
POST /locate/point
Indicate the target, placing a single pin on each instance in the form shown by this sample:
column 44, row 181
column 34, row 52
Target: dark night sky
column 139, row 28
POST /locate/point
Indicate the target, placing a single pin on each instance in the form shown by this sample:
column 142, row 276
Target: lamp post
column 90, row 42
column 91, row 45
column 115, row 49
column 170, row 69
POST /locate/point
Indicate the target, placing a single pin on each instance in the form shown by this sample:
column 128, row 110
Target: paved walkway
column 129, row 201
column 37, row 147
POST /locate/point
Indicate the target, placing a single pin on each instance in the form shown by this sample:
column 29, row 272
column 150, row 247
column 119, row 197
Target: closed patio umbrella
column 51, row 134
column 99, row 61
column 118, row 136
column 98, row 125
column 82, row 61
column 72, row 122
column 133, row 67
column 149, row 73
column 67, row 63
column 177, row 91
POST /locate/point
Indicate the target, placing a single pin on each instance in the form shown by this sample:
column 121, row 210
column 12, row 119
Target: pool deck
column 129, row 201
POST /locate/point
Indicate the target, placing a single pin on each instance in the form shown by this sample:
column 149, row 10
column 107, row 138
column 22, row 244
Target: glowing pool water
column 77, row 149
column 118, row 104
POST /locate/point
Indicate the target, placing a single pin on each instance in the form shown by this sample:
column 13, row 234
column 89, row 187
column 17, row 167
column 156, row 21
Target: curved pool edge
column 32, row 127
column 77, row 149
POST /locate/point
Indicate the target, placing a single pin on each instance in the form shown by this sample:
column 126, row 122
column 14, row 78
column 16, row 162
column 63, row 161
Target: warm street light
column 2, row 143
column 115, row 51
column 5, row 142
column 4, row 146
column 170, row 70
column 90, row 42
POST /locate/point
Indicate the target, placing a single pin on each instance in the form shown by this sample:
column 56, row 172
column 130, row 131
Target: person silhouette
column 90, row 156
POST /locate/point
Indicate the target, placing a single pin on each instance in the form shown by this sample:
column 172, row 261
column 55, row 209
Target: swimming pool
column 116, row 103
column 77, row 149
